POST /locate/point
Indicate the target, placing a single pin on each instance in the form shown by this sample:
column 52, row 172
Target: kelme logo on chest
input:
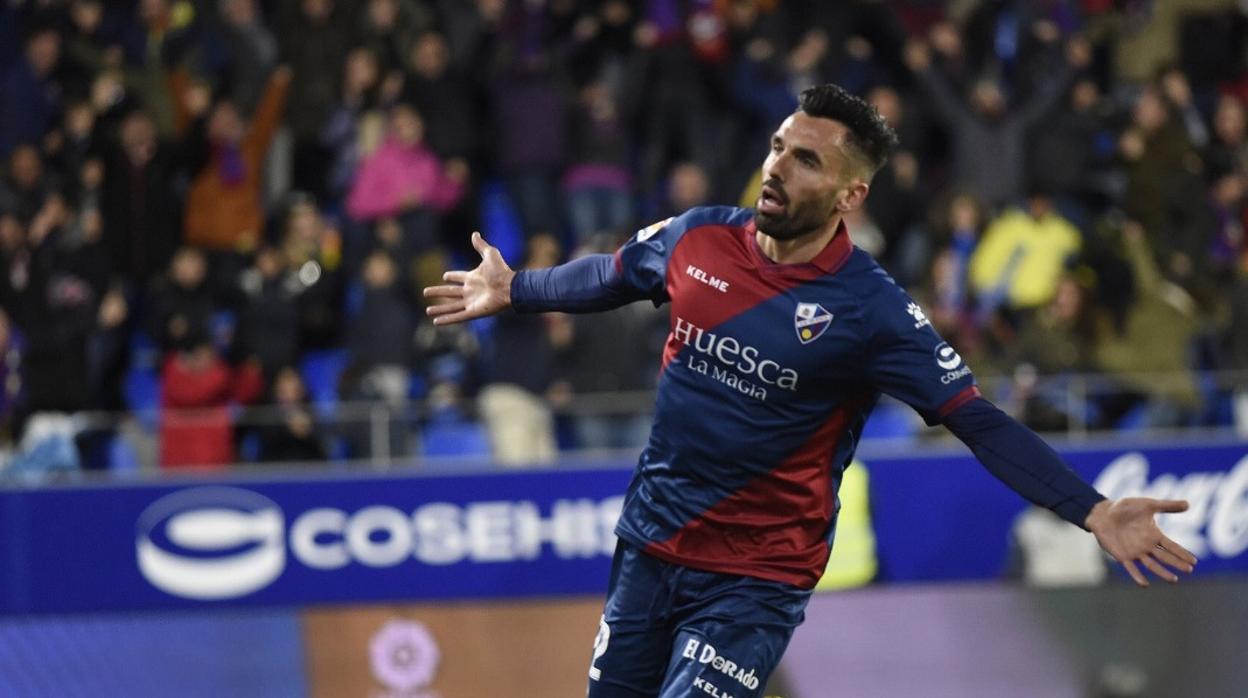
column 811, row 320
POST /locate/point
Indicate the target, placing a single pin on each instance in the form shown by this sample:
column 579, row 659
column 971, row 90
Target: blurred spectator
column 11, row 386
column 181, row 302
column 109, row 351
column 1178, row 95
column 952, row 305
column 58, row 311
column 343, row 133
column 312, row 251
column 1061, row 338
column 669, row 96
column 597, row 184
column 1020, row 260
column 687, row 186
column 196, row 427
column 608, row 353
column 1236, row 343
column 75, row 149
column 29, row 96
column 1228, row 146
column 404, row 177
column 519, row 370
column 142, row 216
column 530, row 113
column 1213, row 238
column 446, row 98
column 1150, row 356
column 26, row 183
column 252, row 50
column 290, row 432
column 157, row 74
column 313, row 43
column 14, row 261
column 389, row 27
column 96, row 39
column 268, row 323
column 895, row 202
column 1072, row 151
column 1157, row 154
column 989, row 139
column 382, row 343
column 223, row 208
column 764, row 76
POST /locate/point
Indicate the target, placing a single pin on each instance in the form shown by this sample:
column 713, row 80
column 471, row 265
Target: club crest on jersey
column 811, row 320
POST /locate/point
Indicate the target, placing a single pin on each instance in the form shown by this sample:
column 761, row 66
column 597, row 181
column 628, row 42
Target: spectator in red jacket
column 199, row 387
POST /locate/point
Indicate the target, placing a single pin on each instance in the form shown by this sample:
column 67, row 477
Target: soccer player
column 783, row 336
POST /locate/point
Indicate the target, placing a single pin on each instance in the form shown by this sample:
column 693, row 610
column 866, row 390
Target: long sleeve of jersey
column 585, row 285
column 601, row 282
column 1022, row 460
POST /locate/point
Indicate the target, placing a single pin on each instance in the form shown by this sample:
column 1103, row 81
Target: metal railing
column 384, row 435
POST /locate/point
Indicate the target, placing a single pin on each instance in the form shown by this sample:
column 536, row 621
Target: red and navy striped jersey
column 768, row 375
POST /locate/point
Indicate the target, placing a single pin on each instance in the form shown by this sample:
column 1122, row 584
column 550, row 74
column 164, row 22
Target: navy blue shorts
column 672, row 631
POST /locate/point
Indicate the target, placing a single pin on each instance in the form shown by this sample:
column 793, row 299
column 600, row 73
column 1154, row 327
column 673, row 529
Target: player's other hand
column 469, row 295
column 1127, row 530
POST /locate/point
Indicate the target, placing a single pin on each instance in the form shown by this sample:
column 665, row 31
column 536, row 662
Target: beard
column 797, row 220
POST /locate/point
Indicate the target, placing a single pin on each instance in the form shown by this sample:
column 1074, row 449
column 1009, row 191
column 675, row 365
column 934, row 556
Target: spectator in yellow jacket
column 1023, row 253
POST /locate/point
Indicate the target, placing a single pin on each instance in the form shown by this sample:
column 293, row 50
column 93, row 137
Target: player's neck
column 799, row 250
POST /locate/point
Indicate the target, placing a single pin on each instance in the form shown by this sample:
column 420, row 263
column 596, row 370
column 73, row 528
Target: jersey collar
column 828, row 261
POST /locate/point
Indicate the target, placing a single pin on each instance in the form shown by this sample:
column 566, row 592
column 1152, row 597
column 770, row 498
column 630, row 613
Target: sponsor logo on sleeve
column 920, row 317
column 948, row 359
column 651, row 230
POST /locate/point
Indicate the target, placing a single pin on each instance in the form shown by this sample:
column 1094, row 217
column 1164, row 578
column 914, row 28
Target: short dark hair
column 869, row 135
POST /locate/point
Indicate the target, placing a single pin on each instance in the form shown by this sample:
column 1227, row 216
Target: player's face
column 806, row 178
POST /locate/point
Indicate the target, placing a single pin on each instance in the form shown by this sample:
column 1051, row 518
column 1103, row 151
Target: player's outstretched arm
column 1127, row 530
column 469, row 295
column 588, row 284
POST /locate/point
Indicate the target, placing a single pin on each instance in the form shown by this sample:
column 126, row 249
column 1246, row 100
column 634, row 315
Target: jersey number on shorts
column 600, row 647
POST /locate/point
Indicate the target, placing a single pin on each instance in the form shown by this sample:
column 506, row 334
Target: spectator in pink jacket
column 403, row 174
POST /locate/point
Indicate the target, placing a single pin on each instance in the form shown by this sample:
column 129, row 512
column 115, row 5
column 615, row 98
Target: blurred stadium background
column 236, row 461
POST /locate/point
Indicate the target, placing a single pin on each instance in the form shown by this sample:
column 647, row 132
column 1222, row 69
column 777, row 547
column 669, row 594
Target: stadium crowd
column 225, row 196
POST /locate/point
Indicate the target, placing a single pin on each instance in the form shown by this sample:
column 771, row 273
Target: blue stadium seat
column 500, row 223
column 249, row 448
column 1136, row 419
column 141, row 385
column 890, row 420
column 353, row 298
column 321, row 371
column 454, row 437
column 142, row 395
column 122, row 458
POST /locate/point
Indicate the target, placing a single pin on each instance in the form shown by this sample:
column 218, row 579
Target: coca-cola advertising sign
column 943, row 517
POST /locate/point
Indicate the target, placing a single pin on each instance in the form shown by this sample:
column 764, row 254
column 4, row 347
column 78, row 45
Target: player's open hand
column 469, row 295
column 1126, row 529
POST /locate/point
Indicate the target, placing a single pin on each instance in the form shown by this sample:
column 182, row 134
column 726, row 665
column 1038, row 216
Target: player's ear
column 853, row 196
